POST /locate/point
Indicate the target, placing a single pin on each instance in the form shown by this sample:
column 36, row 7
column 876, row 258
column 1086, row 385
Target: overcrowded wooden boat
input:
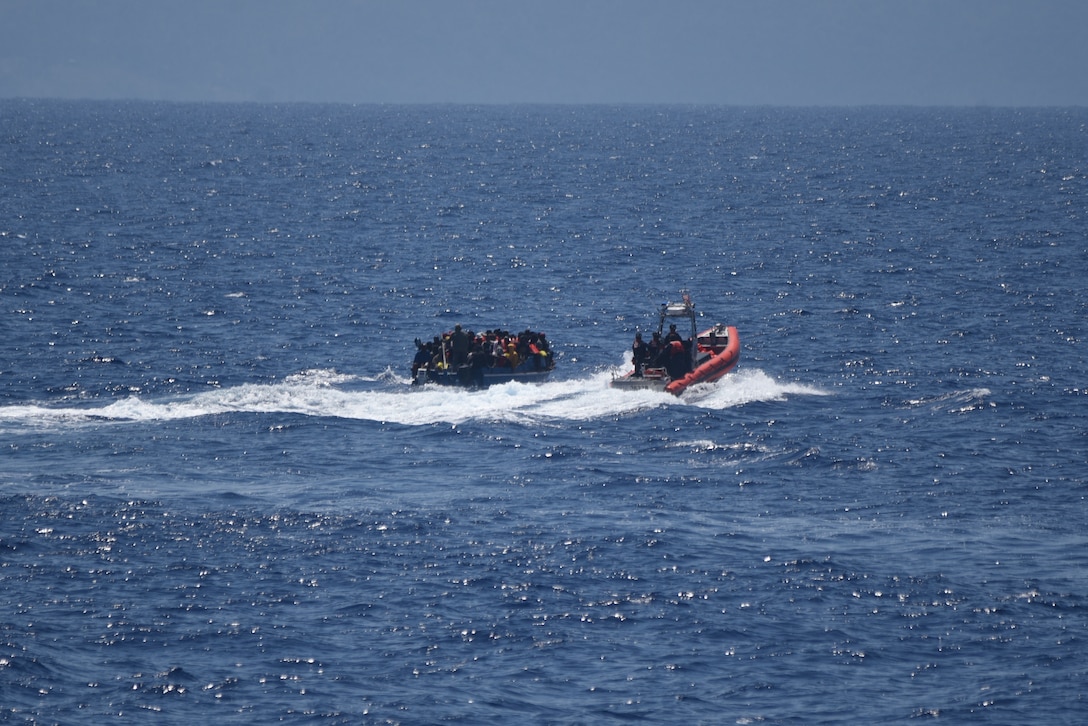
column 476, row 360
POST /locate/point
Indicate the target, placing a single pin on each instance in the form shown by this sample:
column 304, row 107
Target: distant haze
column 753, row 52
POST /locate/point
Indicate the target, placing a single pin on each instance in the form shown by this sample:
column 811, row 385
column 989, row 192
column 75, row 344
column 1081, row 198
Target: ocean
column 221, row 499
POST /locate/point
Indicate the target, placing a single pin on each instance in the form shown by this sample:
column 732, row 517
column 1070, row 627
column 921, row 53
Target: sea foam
column 389, row 399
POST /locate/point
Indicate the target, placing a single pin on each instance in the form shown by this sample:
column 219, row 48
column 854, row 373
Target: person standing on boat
column 656, row 350
column 494, row 345
column 673, row 335
column 460, row 342
column 640, row 352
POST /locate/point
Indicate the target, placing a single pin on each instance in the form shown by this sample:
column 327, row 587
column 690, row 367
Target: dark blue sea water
column 221, row 501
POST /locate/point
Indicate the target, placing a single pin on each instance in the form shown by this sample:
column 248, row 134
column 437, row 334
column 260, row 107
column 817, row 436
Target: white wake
column 389, row 398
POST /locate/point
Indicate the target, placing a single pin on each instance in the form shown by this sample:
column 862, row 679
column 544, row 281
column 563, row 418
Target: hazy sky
column 738, row 52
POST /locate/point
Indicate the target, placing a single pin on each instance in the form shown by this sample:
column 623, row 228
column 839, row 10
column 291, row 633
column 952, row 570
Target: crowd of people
column 460, row 349
column 670, row 352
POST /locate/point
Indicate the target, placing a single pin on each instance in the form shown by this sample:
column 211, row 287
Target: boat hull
column 466, row 377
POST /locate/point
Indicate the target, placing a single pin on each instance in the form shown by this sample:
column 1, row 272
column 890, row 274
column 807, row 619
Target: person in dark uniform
column 640, row 353
column 657, row 350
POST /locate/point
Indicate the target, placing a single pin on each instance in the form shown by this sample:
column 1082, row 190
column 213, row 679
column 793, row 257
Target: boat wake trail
column 380, row 399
